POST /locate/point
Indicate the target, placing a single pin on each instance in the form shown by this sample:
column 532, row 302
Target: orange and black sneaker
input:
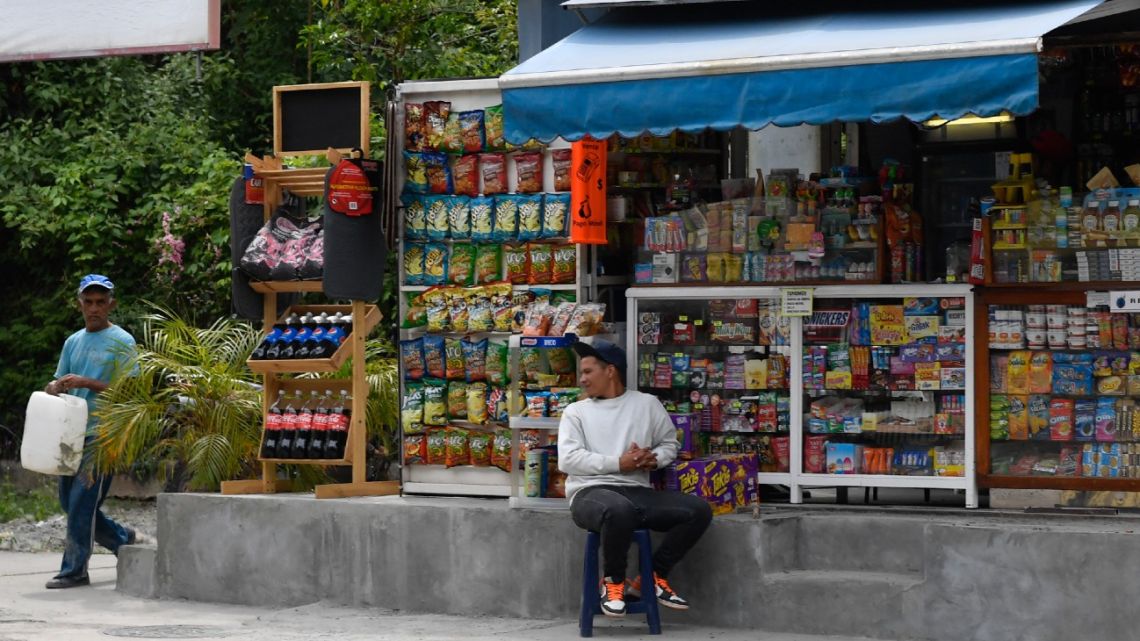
column 613, row 597
column 665, row 594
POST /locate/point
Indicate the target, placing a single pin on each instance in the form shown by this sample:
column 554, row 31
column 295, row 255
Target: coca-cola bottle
column 288, row 429
column 320, row 427
column 304, row 427
column 337, row 436
column 272, row 428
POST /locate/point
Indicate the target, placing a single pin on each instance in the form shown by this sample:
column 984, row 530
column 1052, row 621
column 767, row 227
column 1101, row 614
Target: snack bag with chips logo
column 350, row 190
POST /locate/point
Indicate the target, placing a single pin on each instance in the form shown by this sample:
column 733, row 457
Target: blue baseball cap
column 604, row 351
column 92, row 280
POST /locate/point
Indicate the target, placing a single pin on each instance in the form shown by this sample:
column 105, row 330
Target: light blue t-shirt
column 94, row 355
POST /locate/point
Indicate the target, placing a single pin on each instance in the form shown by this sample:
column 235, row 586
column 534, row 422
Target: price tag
column 698, row 322
column 796, row 301
column 682, row 318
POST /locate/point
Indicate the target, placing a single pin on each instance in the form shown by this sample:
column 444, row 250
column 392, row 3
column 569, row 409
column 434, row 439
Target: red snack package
column 560, row 158
column 458, row 452
column 464, row 173
column 414, row 137
column 528, row 169
column 435, row 122
column 436, row 446
column 501, row 450
column 541, row 263
column 480, row 446
column 415, row 449
column 493, row 167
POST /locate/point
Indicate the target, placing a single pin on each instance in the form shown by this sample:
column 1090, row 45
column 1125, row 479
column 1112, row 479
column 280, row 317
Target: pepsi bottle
column 287, row 332
column 291, row 350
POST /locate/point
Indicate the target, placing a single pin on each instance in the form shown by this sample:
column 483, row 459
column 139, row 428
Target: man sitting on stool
column 607, row 444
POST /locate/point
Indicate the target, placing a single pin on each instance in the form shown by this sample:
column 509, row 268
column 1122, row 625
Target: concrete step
column 872, row 604
column 854, row 543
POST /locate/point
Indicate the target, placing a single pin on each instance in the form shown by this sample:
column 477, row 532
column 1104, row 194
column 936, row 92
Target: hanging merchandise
column 588, row 192
column 355, row 252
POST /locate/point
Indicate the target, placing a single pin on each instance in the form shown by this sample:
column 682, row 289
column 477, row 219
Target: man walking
column 89, row 358
column 607, row 445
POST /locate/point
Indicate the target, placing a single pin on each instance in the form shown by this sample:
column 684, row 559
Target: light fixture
column 1004, row 116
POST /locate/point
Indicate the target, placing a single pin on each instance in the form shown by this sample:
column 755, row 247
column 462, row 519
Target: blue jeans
column 86, row 523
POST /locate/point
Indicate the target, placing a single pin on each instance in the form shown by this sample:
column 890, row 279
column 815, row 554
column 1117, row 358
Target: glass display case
column 1060, row 407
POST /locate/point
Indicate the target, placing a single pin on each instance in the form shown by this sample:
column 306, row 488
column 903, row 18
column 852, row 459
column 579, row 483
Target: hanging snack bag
column 565, row 266
column 532, row 364
column 561, row 360
column 477, row 403
column 435, row 264
column 488, row 263
column 415, row 449
column 541, row 263
column 459, row 313
column 480, row 445
column 475, row 357
column 493, row 168
column 480, row 316
column 502, row 305
column 528, row 170
column 501, row 450
column 412, row 408
column 457, row 452
column 415, row 217
column 436, row 446
column 496, row 368
column 459, row 217
column 554, row 210
column 414, row 126
column 493, row 123
column 452, row 135
column 561, row 400
column 453, row 359
column 482, row 219
column 461, row 265
column 416, row 316
column 412, row 358
column 530, row 217
column 472, row 131
column 435, row 402
column 497, row 409
column 434, row 356
column 587, row 319
column 436, row 113
column 414, row 264
column 560, row 296
column 438, row 173
column 457, row 400
column 560, row 158
column 465, row 175
column 436, row 216
column 506, row 218
column 517, row 258
column 538, row 319
column 438, row 315
column 415, row 163
column 536, row 404
column 562, row 314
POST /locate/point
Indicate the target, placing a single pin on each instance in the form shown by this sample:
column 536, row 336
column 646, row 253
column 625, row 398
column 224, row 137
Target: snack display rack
column 769, row 337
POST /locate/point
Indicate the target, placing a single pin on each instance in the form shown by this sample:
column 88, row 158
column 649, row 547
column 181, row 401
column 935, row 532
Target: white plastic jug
column 54, row 427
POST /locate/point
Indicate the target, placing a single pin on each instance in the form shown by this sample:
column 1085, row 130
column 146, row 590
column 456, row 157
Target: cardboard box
column 665, row 268
column 844, row 458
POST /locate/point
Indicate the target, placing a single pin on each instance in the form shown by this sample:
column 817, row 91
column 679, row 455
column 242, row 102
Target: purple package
column 954, row 352
column 901, row 367
column 686, row 425
column 687, row 477
column 917, row 353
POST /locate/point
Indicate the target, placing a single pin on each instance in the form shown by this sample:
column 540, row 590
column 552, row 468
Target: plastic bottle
column 304, row 428
column 272, row 428
column 1130, row 221
column 1110, row 221
column 288, row 429
column 337, row 437
column 288, row 330
column 293, row 349
column 270, row 339
column 1090, row 217
column 320, row 427
column 316, row 347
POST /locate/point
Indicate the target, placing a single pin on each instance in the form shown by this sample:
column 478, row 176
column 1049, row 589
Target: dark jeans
column 615, row 511
column 86, row 523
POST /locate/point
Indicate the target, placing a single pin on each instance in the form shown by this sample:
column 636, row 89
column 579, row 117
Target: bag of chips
column 488, row 263
column 436, row 216
column 457, row 452
column 530, row 217
column 496, row 368
column 415, row 217
column 459, row 217
column 438, row 172
column 517, row 258
column 435, row 402
column 565, row 266
column 554, row 218
column 453, row 359
column 414, row 126
column 438, row 316
column 562, row 313
column 412, row 358
column 412, row 408
column 497, row 409
column 528, row 170
column 477, row 403
column 536, row 403
column 560, row 158
column 561, row 360
column 452, row 142
column 482, row 219
column 472, row 131
column 475, row 358
column 538, row 319
column 502, row 313
column 560, row 400
column 493, row 123
column 532, row 364
column 436, row 446
column 587, row 319
column 416, row 314
column 414, row 264
column 415, row 449
column 435, row 264
column 465, row 175
column 501, row 450
column 436, row 114
column 461, row 265
column 506, row 218
column 480, row 446
column 434, row 356
column 493, row 168
column 415, row 164
column 459, row 314
column 541, row 263
column 457, row 400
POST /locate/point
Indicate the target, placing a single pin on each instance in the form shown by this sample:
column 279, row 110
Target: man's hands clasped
column 637, row 458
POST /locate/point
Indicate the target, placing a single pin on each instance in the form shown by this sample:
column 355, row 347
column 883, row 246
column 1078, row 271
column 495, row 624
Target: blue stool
column 591, row 601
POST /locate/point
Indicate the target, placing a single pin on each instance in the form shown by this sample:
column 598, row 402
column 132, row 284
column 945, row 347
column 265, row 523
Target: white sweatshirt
column 594, row 434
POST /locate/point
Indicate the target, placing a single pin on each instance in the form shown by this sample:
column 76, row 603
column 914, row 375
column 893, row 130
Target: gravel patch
column 26, row 535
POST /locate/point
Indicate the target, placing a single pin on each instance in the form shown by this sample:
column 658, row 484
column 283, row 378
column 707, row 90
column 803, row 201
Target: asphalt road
column 28, row 611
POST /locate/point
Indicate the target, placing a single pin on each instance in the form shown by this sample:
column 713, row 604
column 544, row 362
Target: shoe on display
column 665, row 594
column 613, row 597
column 61, row 582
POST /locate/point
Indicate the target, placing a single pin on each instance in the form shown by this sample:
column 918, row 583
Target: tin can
column 535, row 472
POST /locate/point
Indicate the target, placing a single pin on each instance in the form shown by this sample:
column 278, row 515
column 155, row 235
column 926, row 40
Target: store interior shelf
column 668, row 152
column 1069, row 286
column 539, row 502
column 518, row 288
column 457, row 489
column 307, row 461
column 883, row 480
column 774, row 478
column 531, row 423
column 285, row 286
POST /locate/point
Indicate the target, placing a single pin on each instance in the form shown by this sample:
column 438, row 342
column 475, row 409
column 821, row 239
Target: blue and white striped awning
column 742, row 64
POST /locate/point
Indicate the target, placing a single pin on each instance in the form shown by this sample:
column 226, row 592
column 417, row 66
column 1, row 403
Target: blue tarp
column 634, row 72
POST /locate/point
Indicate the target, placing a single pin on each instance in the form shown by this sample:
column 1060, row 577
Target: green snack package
column 498, row 355
column 461, row 265
column 488, row 263
column 435, row 402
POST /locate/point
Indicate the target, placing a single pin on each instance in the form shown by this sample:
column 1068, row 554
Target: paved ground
column 28, row 611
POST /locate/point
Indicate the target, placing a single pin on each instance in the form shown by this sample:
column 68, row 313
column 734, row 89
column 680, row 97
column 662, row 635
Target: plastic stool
column 591, row 601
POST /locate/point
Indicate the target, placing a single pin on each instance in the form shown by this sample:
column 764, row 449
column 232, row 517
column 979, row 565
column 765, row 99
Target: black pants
column 616, row 511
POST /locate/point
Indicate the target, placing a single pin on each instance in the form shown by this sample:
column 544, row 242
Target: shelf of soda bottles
column 308, row 422
column 304, row 330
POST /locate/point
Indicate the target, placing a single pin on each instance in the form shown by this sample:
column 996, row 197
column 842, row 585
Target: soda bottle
column 291, row 350
column 315, row 346
column 320, row 427
column 288, row 429
column 272, row 428
column 334, row 334
column 337, row 436
column 304, row 428
column 288, row 330
column 270, row 339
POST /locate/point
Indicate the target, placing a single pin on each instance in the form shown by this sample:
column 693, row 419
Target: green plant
column 36, row 504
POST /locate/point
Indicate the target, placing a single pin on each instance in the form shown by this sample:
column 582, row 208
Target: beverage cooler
column 1059, row 391
column 870, row 389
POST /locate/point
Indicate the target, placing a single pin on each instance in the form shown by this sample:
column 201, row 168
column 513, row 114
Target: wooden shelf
column 286, row 286
column 331, row 364
column 308, row 461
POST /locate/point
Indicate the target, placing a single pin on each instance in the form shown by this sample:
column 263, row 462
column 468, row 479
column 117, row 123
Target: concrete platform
column 888, row 573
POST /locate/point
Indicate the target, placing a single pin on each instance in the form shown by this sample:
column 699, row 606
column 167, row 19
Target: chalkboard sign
column 308, row 119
